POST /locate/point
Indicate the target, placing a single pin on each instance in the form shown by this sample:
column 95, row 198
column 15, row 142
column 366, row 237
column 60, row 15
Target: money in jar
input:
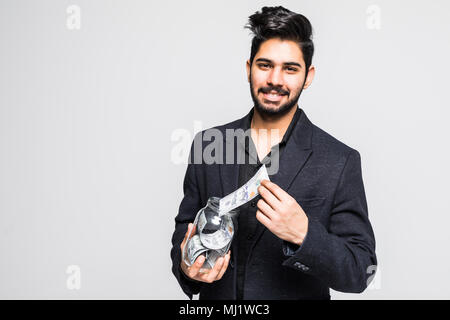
column 220, row 237
column 212, row 234
column 195, row 249
column 215, row 231
column 213, row 255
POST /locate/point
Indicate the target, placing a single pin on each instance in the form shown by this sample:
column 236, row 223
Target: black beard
column 282, row 110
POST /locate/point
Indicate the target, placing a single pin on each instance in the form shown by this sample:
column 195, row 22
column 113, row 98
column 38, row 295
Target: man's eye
column 291, row 69
column 264, row 65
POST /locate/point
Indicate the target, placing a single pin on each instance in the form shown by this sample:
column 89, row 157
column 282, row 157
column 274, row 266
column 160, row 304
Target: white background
column 86, row 119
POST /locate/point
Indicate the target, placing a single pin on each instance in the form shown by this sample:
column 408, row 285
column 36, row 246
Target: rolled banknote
column 213, row 255
column 214, row 228
column 195, row 248
column 215, row 232
column 245, row 193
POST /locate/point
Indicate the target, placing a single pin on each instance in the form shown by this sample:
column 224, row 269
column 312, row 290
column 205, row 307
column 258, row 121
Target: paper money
column 211, row 244
column 213, row 255
column 222, row 235
column 215, row 229
column 209, row 221
column 245, row 193
column 195, row 248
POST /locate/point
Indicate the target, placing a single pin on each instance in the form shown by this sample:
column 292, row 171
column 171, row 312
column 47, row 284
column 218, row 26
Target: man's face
column 277, row 76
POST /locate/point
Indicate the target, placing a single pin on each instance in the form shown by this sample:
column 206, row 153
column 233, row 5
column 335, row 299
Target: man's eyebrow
column 284, row 63
column 292, row 64
column 263, row 60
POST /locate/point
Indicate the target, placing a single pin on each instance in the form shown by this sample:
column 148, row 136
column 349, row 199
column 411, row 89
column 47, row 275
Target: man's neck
column 269, row 122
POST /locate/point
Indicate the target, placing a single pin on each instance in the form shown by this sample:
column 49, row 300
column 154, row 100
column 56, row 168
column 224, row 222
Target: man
column 308, row 230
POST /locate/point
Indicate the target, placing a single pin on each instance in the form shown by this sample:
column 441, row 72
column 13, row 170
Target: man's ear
column 248, row 67
column 310, row 76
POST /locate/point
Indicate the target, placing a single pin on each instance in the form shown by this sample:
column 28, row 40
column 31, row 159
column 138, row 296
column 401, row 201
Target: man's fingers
column 212, row 275
column 183, row 243
column 193, row 228
column 263, row 219
column 269, row 197
column 265, row 209
column 225, row 265
column 275, row 189
column 191, row 231
column 194, row 269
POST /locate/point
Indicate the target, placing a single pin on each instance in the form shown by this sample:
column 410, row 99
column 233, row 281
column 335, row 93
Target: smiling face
column 277, row 76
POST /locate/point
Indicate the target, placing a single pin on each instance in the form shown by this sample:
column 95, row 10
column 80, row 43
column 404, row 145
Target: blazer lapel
column 295, row 155
column 297, row 151
column 229, row 172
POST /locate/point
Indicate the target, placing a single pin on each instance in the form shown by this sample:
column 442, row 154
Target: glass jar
column 211, row 235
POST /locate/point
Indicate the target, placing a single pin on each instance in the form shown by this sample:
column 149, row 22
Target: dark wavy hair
column 279, row 22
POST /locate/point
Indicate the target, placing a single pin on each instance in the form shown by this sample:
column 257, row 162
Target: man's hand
column 194, row 272
column 281, row 214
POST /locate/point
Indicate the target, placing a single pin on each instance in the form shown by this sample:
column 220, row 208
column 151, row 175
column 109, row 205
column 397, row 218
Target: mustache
column 276, row 89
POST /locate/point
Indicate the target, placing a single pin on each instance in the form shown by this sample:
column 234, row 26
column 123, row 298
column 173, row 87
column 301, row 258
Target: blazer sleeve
column 343, row 255
column 190, row 205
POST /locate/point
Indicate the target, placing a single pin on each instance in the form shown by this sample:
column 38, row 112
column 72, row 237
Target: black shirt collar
column 289, row 130
column 282, row 143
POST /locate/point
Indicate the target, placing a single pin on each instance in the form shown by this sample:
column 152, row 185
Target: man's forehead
column 280, row 51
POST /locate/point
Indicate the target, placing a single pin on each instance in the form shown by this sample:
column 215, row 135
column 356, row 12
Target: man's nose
column 275, row 77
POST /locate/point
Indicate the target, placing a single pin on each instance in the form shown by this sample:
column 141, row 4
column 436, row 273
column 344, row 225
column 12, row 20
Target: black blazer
column 324, row 176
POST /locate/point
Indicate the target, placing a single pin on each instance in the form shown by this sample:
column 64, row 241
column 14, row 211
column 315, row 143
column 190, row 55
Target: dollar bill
column 195, row 248
column 220, row 238
column 215, row 230
column 208, row 221
column 245, row 193
column 213, row 255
